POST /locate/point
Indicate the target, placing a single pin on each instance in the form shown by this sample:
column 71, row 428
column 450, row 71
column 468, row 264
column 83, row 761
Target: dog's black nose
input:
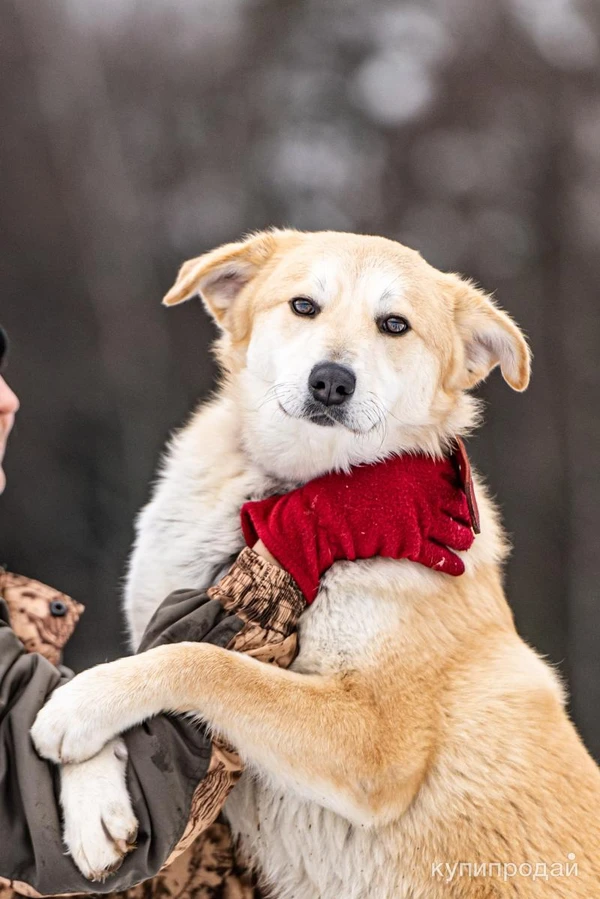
column 331, row 384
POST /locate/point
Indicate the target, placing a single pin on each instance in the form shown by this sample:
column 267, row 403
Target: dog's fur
column 416, row 729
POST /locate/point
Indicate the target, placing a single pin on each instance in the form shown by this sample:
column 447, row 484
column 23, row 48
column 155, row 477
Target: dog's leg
column 100, row 825
column 325, row 735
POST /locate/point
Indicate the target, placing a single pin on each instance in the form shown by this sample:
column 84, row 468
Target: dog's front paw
column 100, row 825
column 78, row 719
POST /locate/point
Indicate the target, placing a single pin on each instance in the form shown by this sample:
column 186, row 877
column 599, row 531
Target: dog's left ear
column 489, row 336
column 219, row 276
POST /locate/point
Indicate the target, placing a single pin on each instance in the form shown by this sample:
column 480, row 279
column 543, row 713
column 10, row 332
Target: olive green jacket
column 178, row 778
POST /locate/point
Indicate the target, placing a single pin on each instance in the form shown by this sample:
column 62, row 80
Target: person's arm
column 260, row 604
column 178, row 777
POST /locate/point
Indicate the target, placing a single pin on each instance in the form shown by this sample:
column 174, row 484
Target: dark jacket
column 178, row 778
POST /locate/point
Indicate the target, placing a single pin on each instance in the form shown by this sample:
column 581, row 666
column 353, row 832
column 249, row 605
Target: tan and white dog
column 417, row 749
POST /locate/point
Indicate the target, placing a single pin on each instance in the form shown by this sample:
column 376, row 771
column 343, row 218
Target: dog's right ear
column 219, row 276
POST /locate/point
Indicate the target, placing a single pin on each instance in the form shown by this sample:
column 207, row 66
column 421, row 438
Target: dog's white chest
column 308, row 852
column 305, row 849
column 348, row 617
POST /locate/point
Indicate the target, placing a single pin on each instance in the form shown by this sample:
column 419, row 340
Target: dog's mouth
column 323, row 417
column 360, row 417
column 322, row 420
column 318, row 415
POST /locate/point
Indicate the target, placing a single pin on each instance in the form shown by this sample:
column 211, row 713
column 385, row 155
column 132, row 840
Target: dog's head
column 342, row 348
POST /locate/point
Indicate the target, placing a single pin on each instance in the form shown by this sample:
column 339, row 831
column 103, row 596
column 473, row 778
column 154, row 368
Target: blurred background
column 136, row 134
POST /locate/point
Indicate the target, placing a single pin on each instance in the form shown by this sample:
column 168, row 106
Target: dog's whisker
column 373, row 412
column 377, row 408
column 384, row 409
column 278, row 392
column 379, row 425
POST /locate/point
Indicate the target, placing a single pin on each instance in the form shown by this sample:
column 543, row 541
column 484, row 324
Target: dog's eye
column 393, row 324
column 304, row 306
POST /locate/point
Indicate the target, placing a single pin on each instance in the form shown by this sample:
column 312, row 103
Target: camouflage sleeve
column 42, row 618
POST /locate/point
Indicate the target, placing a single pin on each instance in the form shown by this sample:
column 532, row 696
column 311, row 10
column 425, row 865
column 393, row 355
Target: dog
column 417, row 747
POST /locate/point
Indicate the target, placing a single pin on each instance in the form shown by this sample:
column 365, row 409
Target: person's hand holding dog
column 407, row 507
